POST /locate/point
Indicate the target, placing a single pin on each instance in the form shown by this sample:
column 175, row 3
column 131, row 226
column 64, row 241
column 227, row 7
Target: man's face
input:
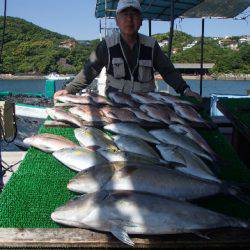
column 129, row 21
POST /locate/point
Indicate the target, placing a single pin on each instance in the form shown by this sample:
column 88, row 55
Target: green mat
column 39, row 185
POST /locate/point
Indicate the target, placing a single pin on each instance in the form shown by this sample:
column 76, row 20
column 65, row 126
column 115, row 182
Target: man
column 130, row 59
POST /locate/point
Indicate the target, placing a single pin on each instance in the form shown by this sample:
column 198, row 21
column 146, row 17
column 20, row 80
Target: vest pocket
column 118, row 67
column 145, row 71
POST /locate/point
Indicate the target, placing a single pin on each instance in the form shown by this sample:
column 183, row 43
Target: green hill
column 30, row 49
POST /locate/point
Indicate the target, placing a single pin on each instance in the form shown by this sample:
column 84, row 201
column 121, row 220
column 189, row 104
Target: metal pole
column 202, row 53
column 149, row 27
column 1, row 167
column 171, row 32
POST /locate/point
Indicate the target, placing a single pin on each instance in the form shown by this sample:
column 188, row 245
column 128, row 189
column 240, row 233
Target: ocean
column 209, row 86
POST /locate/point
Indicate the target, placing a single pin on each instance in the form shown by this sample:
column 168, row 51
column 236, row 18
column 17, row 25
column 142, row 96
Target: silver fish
column 90, row 136
column 131, row 129
column 61, row 115
column 119, row 114
column 188, row 113
column 79, row 158
column 141, row 115
column 194, row 135
column 98, row 99
column 134, row 145
column 145, row 98
column 119, row 155
column 123, row 213
column 49, row 142
column 74, row 99
column 170, row 137
column 169, row 99
column 162, row 113
column 121, row 98
column 89, row 113
column 194, row 165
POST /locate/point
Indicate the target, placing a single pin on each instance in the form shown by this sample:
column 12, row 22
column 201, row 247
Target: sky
column 76, row 19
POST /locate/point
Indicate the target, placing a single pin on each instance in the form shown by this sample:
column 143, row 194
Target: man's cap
column 124, row 4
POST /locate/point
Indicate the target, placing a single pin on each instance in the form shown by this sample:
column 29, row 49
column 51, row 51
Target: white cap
column 124, row 4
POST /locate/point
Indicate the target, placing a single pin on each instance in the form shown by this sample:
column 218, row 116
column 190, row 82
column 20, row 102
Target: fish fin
column 122, row 235
column 239, row 192
column 203, row 236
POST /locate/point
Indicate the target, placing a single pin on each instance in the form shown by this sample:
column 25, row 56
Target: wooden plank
column 73, row 237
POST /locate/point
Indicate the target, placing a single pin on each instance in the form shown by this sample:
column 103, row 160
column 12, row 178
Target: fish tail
column 238, row 191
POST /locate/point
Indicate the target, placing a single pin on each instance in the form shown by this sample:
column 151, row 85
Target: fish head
column 92, row 179
column 75, row 211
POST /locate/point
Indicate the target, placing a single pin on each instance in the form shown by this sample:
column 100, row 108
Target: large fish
column 93, row 137
column 124, row 213
column 120, row 114
column 141, row 115
column 49, row 142
column 124, row 156
column 194, row 165
column 131, row 129
column 169, row 99
column 61, row 115
column 144, row 98
column 188, row 113
column 194, row 135
column 74, row 99
column 121, row 98
column 141, row 177
column 170, row 137
column 134, row 145
column 89, row 113
column 98, row 99
column 79, row 158
column 162, row 113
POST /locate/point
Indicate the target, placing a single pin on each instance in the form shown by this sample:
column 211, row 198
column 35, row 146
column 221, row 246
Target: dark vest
column 120, row 76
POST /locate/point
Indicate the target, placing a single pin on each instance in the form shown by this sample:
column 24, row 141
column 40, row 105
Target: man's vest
column 120, row 76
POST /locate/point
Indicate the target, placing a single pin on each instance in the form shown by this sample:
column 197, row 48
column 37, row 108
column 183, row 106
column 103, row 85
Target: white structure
column 55, row 76
column 190, row 45
column 163, row 43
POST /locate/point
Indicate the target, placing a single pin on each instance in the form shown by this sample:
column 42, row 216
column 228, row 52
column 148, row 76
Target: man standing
column 130, row 59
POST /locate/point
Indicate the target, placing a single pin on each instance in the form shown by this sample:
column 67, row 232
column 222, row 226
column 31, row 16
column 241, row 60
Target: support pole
column 202, row 54
column 149, row 27
column 171, row 32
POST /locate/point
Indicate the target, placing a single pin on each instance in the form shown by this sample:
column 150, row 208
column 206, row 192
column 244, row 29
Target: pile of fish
column 153, row 107
column 133, row 180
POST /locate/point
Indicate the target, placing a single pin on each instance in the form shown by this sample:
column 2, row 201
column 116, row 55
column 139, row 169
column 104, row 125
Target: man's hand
column 60, row 92
column 189, row 92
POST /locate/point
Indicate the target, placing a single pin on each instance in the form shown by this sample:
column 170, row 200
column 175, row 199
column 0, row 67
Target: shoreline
column 240, row 77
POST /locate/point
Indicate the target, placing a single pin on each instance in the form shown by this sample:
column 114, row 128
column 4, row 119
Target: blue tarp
column 152, row 9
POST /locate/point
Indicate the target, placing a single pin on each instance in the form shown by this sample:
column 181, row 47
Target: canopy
column 215, row 8
column 152, row 9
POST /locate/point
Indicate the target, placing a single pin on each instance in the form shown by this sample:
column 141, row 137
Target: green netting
column 39, row 185
column 239, row 107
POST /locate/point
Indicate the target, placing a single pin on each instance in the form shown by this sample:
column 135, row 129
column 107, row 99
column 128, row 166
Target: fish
column 168, row 136
column 49, row 142
column 188, row 113
column 89, row 113
column 134, row 145
column 194, row 165
column 61, row 115
column 124, row 213
column 162, row 113
column 147, row 178
column 195, row 136
column 125, row 156
column 98, row 99
column 79, row 158
column 141, row 115
column 90, row 137
column 121, row 98
column 132, row 130
column 169, row 99
column 145, row 98
column 123, row 115
column 69, row 98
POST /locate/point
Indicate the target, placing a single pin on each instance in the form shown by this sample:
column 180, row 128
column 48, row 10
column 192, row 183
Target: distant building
column 163, row 43
column 190, row 45
column 233, row 46
column 244, row 40
column 68, row 44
